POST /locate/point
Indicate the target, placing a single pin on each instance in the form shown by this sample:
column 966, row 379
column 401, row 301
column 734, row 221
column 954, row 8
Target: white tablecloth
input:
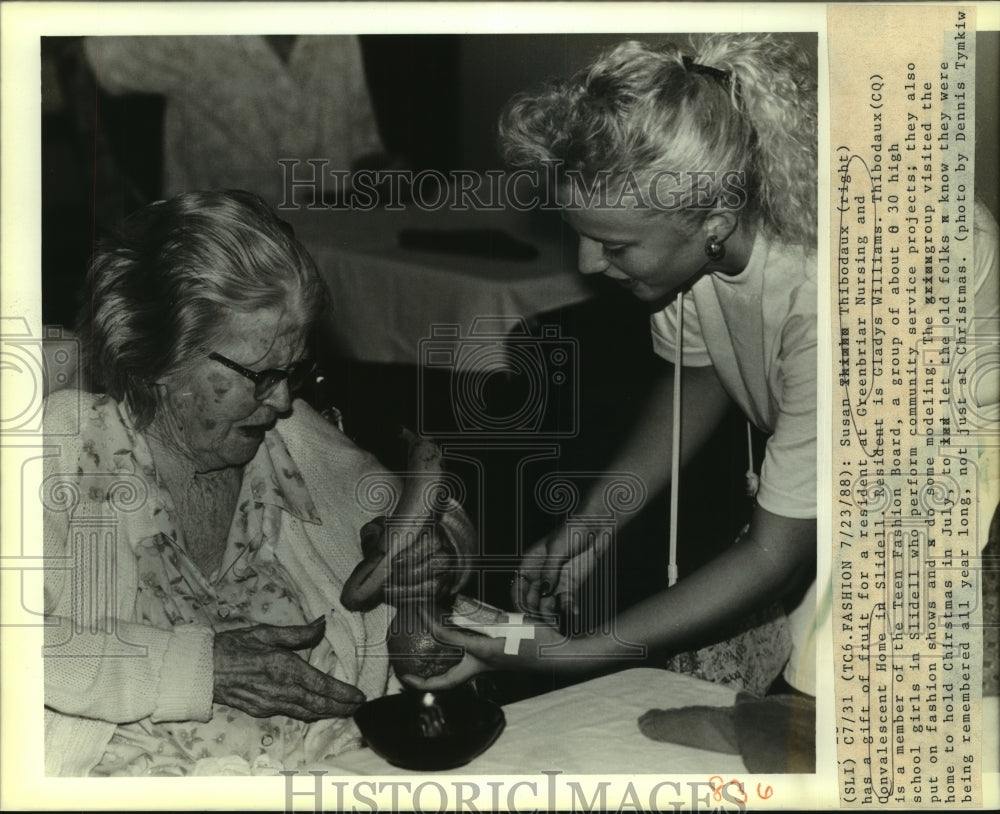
column 386, row 299
column 588, row 728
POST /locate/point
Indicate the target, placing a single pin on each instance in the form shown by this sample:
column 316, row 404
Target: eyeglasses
column 266, row 381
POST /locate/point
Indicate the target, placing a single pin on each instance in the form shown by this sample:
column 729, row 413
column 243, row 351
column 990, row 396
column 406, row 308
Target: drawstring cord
column 753, row 481
column 675, row 444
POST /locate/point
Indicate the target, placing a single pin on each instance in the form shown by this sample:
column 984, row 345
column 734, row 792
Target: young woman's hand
column 555, row 567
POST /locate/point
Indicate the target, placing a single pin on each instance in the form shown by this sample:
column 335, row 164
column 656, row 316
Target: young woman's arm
column 645, row 453
column 776, row 557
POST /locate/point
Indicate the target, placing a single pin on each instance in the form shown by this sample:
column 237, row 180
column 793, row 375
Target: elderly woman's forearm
column 135, row 671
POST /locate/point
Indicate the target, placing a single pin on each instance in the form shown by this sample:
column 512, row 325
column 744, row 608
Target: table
column 387, row 299
column 588, row 728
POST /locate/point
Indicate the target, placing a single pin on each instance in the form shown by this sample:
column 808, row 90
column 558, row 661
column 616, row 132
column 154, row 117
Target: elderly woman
column 207, row 636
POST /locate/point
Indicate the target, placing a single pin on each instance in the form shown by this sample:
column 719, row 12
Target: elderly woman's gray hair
column 162, row 287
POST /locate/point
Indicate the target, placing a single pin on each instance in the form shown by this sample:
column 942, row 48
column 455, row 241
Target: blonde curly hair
column 740, row 104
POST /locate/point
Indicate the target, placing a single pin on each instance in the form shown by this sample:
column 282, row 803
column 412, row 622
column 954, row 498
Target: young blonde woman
column 690, row 170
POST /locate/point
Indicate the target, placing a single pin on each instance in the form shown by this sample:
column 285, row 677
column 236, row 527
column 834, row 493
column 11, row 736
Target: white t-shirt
column 758, row 330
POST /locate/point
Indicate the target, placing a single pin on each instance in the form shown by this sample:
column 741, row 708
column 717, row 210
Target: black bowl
column 412, row 734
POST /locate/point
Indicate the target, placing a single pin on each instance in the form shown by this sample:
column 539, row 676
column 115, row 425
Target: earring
column 714, row 249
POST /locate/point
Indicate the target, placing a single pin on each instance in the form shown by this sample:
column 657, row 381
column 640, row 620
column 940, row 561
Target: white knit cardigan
column 102, row 670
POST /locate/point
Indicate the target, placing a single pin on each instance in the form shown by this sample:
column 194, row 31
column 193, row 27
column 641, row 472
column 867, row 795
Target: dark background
column 436, row 99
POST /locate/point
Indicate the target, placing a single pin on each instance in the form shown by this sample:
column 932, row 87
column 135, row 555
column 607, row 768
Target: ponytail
column 738, row 103
column 776, row 89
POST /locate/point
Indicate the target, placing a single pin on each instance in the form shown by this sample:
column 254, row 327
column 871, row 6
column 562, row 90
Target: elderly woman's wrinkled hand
column 258, row 671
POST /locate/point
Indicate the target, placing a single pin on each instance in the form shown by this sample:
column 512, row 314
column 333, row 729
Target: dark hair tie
column 694, row 67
